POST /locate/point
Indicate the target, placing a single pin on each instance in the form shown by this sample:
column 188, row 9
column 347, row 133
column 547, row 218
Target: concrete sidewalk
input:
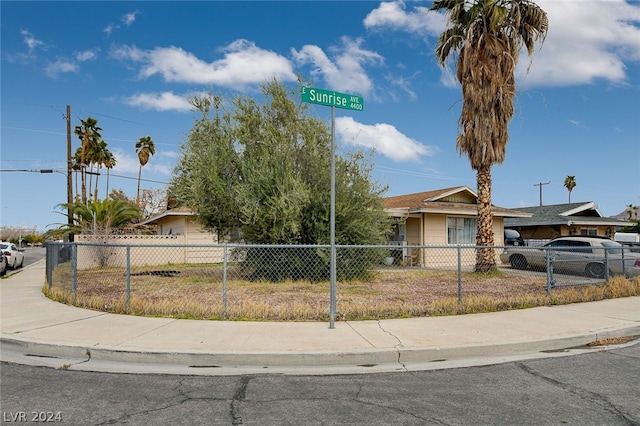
column 38, row 331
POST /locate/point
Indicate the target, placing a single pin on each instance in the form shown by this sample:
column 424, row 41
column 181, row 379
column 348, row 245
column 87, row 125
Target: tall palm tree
column 570, row 183
column 99, row 156
column 488, row 36
column 89, row 134
column 145, row 148
column 109, row 163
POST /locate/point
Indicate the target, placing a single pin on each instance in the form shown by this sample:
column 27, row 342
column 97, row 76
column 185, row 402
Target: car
column 15, row 257
column 513, row 238
column 3, row 264
column 576, row 255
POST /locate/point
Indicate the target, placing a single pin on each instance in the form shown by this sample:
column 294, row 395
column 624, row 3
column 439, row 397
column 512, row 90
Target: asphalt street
column 599, row 387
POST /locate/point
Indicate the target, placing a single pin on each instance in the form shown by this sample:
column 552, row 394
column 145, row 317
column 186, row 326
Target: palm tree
column 99, row 156
column 570, row 183
column 89, row 134
column 109, row 163
column 145, row 148
column 99, row 218
column 76, row 167
column 102, row 216
column 488, row 36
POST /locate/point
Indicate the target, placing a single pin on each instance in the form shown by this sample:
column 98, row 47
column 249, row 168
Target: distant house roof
column 455, row 200
column 585, row 213
column 179, row 211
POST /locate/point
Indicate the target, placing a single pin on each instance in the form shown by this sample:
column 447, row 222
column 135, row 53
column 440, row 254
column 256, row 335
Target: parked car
column 576, row 255
column 15, row 258
column 512, row 238
column 3, row 265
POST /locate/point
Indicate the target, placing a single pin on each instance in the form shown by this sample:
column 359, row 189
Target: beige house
column 181, row 221
column 179, row 239
column 444, row 217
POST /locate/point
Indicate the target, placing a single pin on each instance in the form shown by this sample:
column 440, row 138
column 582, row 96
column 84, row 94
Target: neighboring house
column 181, row 221
column 439, row 218
column 179, row 239
column 557, row 220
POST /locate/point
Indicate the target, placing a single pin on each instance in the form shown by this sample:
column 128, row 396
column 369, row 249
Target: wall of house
column 435, row 234
column 172, row 225
column 195, row 235
column 414, row 231
column 549, row 232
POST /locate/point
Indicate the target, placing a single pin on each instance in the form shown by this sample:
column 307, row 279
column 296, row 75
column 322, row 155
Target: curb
column 104, row 358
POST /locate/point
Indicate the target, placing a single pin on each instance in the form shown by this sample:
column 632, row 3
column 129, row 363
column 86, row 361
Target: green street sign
column 331, row 98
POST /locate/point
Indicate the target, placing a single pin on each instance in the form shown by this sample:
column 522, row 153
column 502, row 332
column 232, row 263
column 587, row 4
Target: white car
column 15, row 258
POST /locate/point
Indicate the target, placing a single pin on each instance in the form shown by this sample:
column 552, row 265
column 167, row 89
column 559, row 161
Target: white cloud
column 127, row 163
column 165, row 101
column 587, row 40
column 64, row 65
column 243, row 64
column 32, row 42
column 346, row 71
column 61, row 66
column 127, row 20
column 87, row 55
column 384, row 138
column 394, row 15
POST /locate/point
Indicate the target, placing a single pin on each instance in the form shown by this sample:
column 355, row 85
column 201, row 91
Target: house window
column 589, row 232
column 461, row 230
column 399, row 232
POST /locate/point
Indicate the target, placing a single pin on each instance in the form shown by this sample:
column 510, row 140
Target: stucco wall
column 152, row 250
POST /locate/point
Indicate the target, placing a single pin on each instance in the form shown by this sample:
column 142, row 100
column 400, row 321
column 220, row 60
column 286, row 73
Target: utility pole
column 69, row 176
column 540, row 185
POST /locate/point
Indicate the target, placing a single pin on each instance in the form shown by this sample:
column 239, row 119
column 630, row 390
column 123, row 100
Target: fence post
column 49, row 263
column 459, row 274
column 128, row 274
column 74, row 267
column 550, row 280
column 606, row 264
column 224, row 281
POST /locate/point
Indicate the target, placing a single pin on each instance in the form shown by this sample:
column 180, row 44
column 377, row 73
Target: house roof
column 455, row 200
column 179, row 211
column 585, row 213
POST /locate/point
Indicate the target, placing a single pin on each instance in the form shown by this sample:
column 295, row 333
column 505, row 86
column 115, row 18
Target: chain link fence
column 243, row 281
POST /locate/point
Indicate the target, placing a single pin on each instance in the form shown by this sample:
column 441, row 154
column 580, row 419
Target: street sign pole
column 340, row 100
column 332, row 241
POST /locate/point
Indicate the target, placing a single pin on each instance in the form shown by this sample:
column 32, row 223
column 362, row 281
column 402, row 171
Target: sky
column 134, row 65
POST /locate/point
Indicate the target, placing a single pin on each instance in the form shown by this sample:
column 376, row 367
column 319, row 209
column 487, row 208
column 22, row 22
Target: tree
column 89, row 134
column 153, row 201
column 631, row 211
column 145, row 148
column 99, row 157
column 570, row 183
column 264, row 168
column 109, row 162
column 207, row 172
column 488, row 36
column 98, row 217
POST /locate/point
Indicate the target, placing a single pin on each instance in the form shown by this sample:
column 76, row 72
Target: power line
column 46, row 171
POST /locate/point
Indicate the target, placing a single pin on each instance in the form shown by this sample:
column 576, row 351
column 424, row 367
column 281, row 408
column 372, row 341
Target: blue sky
column 132, row 66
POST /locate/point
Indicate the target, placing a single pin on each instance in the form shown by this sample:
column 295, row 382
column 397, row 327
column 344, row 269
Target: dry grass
column 197, row 293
